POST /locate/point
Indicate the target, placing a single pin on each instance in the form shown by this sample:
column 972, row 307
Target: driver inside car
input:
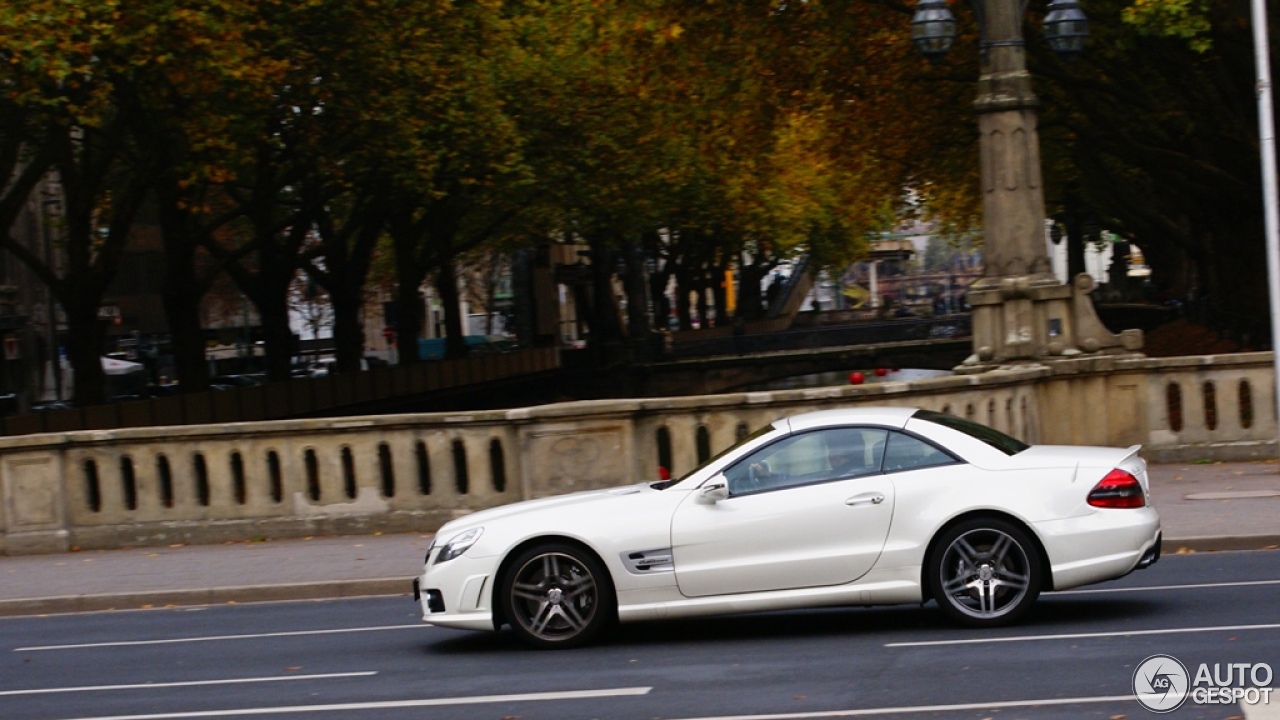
column 845, row 457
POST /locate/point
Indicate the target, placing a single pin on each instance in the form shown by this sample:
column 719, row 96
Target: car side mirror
column 714, row 492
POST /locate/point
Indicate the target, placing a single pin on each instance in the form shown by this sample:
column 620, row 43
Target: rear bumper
column 1152, row 556
column 1103, row 545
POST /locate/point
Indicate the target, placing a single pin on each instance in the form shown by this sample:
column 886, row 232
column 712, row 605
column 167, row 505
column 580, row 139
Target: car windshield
column 668, row 483
column 996, row 439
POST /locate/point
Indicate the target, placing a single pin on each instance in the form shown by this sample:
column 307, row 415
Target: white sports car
column 841, row 507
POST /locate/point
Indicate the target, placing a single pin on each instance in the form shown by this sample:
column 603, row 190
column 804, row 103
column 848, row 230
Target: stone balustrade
column 394, row 473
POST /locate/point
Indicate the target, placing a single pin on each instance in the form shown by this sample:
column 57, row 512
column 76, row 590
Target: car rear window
column 996, row 439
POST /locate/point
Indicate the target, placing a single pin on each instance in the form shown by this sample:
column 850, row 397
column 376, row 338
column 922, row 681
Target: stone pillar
column 1021, row 313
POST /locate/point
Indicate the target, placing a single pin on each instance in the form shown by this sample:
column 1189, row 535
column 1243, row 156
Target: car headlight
column 458, row 544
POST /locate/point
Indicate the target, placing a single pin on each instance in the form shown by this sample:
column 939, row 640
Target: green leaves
column 1185, row 19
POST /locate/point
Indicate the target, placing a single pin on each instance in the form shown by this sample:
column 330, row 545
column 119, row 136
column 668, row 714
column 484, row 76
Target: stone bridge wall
column 239, row 481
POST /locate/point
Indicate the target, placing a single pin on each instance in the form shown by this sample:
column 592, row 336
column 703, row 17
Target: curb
column 1224, row 543
column 146, row 600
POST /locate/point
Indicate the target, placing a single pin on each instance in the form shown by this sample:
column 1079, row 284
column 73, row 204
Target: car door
column 809, row 524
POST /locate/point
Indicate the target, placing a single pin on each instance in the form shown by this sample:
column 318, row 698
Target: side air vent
column 647, row 562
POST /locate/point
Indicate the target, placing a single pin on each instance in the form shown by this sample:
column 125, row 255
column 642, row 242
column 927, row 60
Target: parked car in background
column 235, row 381
column 328, row 366
column 434, row 348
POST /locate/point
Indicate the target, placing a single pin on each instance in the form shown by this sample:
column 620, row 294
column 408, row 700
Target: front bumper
column 457, row 594
column 432, row 601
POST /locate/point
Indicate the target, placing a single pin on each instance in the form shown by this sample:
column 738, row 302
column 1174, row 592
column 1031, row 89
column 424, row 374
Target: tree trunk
column 186, row 339
column 638, row 320
column 684, row 281
column 661, row 303
column 277, row 337
column 91, row 259
column 605, row 330
column 268, row 288
column 410, row 314
column 85, row 336
column 525, row 326
column 348, row 331
column 750, row 299
column 446, row 282
column 348, row 246
column 182, row 293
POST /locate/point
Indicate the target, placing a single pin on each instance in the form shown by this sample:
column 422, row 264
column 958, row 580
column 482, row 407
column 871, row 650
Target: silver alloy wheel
column 554, row 597
column 985, row 573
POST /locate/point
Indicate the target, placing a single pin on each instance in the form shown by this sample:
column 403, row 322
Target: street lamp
column 1020, row 311
column 933, row 28
column 1065, row 27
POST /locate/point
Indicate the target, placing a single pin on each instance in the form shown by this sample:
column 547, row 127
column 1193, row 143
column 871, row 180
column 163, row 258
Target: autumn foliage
column 266, row 138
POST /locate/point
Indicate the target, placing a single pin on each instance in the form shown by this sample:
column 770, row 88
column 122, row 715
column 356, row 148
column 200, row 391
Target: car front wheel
column 985, row 572
column 557, row 596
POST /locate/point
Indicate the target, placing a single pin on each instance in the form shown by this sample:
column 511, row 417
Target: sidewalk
column 1218, row 506
column 1205, row 507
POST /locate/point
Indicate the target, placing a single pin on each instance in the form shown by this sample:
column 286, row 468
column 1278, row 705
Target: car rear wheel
column 557, row 596
column 985, row 572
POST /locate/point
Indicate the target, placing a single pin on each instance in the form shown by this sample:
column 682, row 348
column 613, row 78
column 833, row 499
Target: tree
column 1162, row 138
column 136, row 102
column 349, row 229
column 206, row 101
column 57, row 121
column 797, row 126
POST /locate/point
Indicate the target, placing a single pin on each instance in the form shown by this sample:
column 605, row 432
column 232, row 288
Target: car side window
column 907, row 452
column 808, row 458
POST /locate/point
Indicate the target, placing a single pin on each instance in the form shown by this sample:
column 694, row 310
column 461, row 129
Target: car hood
column 555, row 502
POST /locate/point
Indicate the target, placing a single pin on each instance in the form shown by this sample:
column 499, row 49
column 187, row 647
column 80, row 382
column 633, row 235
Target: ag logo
column 1161, row 683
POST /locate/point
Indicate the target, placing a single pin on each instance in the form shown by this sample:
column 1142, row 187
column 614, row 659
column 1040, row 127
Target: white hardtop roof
column 864, row 415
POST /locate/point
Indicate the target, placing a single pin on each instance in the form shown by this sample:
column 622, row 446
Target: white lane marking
column 211, row 638
column 1261, row 711
column 189, row 683
column 387, row 704
column 912, row 709
column 1195, row 586
column 1081, row 636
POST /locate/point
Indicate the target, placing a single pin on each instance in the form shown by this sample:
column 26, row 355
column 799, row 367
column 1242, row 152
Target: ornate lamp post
column 1020, row 311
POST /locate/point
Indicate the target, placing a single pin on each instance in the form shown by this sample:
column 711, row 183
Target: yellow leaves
column 219, row 175
column 1186, row 19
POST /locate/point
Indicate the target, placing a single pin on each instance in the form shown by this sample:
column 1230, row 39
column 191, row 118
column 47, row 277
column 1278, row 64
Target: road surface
column 373, row 659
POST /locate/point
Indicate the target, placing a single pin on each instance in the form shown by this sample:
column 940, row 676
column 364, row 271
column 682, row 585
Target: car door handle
column 871, row 498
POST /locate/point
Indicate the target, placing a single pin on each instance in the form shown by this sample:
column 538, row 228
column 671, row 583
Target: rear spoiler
column 1130, row 452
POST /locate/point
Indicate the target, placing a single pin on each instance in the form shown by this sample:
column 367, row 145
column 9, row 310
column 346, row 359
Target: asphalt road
column 372, row 659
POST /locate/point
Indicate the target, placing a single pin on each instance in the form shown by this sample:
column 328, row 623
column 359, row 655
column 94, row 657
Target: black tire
column 557, row 595
column 985, row 572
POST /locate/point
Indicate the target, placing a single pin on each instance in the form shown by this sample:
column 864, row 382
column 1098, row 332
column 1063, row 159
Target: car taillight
column 1118, row 489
